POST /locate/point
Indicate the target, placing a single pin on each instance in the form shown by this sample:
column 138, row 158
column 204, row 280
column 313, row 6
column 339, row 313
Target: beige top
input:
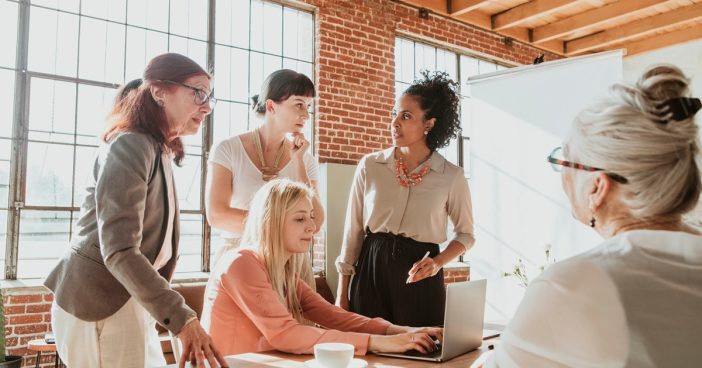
column 420, row 212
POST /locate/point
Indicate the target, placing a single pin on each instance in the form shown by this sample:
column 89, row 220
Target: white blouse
column 420, row 212
column 246, row 177
column 634, row 301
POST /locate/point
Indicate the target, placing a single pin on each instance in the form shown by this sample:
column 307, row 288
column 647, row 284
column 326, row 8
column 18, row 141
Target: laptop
column 463, row 323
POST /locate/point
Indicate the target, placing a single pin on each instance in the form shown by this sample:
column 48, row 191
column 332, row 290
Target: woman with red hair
column 113, row 283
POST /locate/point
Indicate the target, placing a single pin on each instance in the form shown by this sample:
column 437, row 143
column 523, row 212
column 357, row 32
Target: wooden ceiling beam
column 527, row 11
column 634, row 29
column 591, row 18
column 458, row 7
column 483, row 21
column 663, row 40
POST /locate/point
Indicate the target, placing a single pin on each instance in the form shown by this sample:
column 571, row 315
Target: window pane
column 266, row 27
column 300, row 67
column 85, row 160
column 231, row 78
column 8, row 30
column 450, row 152
column 5, row 150
column 189, row 18
column 193, row 143
column 114, row 10
column 469, row 67
column 142, row 46
column 424, row 58
column 466, row 157
column 67, row 5
column 297, row 35
column 44, row 236
column 230, row 119
column 3, row 241
column 406, row 71
column 101, row 50
column 261, row 66
column 196, row 50
column 53, row 42
column 190, row 246
column 51, row 110
column 187, row 178
column 49, row 174
column 446, row 62
column 486, row 67
column 7, row 102
column 94, row 104
column 152, row 14
column 232, row 23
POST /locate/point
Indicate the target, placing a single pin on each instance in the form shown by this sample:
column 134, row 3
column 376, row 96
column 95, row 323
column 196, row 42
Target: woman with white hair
column 256, row 299
column 631, row 172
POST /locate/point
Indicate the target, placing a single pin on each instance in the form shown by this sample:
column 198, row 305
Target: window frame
column 17, row 181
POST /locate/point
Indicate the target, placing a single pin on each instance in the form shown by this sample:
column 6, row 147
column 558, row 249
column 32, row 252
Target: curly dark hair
column 438, row 99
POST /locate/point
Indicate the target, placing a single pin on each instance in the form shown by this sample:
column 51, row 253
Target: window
column 76, row 53
column 413, row 57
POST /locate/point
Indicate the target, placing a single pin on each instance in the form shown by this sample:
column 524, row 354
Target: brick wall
column 355, row 68
column 27, row 317
column 355, row 43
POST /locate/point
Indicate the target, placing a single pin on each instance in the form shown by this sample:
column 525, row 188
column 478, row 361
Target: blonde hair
column 629, row 134
column 264, row 231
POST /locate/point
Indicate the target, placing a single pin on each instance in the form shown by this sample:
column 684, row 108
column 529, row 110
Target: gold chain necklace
column 267, row 173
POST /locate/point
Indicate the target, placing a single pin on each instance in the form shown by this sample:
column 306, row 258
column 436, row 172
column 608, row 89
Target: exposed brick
column 38, row 308
column 25, row 319
column 24, row 299
column 31, row 329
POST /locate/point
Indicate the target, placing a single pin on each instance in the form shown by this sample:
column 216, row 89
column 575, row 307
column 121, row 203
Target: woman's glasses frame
column 556, row 164
column 201, row 97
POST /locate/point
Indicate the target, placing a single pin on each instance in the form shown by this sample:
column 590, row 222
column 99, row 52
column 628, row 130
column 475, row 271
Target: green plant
column 519, row 270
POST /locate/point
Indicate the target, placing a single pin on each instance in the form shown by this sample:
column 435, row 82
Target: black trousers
column 379, row 288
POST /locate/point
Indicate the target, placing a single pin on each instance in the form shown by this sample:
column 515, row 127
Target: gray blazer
column 120, row 232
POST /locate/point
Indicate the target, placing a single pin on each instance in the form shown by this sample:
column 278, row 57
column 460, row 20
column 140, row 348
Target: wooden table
column 285, row 360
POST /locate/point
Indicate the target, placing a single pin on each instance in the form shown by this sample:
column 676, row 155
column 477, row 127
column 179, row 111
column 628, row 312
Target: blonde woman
column 631, row 171
column 255, row 299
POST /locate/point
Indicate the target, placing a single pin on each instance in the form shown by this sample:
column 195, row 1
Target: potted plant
column 10, row 361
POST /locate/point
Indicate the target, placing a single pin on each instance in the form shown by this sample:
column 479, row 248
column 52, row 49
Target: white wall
column 687, row 56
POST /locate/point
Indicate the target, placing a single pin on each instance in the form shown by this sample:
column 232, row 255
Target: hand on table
column 198, row 347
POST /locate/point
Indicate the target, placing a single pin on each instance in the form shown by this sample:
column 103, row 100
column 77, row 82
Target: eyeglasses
column 557, row 160
column 201, row 97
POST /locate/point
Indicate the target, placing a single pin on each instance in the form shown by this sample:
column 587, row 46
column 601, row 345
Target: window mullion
column 18, row 156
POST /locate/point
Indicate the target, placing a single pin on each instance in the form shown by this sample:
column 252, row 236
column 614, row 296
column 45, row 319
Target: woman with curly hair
column 400, row 201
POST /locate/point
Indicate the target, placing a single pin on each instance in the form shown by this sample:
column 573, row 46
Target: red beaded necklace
column 405, row 178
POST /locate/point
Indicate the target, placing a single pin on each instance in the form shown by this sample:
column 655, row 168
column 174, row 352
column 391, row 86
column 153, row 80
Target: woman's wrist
column 395, row 329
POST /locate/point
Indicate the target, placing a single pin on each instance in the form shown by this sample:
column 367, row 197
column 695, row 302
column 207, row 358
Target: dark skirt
column 379, row 288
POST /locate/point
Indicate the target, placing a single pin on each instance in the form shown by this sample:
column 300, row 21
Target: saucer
column 355, row 363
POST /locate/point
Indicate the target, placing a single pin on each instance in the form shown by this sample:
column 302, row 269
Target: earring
column 592, row 221
column 426, row 132
column 159, row 103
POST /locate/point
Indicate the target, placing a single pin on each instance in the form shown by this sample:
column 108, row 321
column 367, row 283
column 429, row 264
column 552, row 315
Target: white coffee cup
column 333, row 354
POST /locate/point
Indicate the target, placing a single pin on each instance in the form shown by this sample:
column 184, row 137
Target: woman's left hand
column 427, row 267
column 299, row 145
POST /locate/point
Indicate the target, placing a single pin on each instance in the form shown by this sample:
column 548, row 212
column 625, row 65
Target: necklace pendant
column 269, row 177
